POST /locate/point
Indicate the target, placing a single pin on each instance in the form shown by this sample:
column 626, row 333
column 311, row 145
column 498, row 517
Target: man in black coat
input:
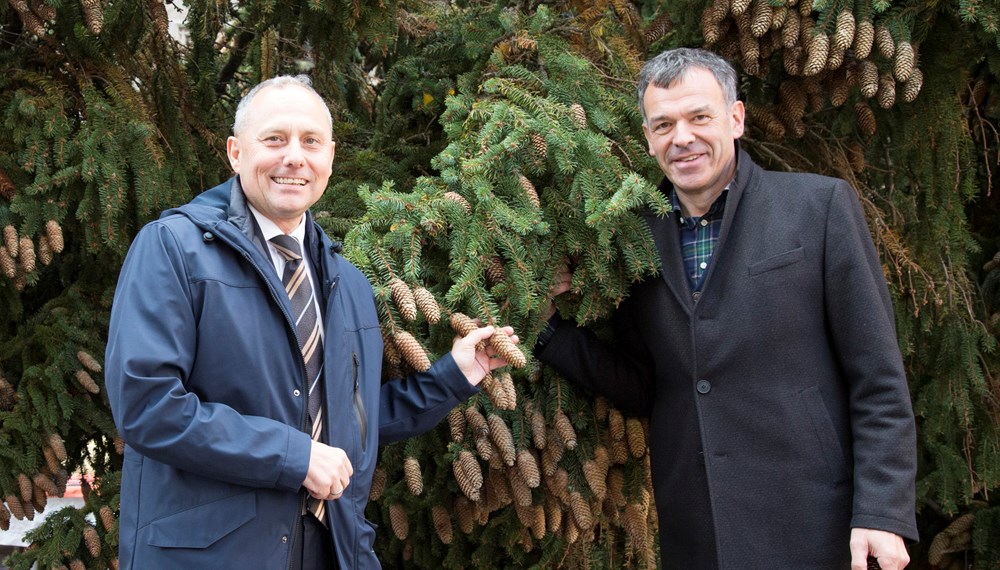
column 765, row 354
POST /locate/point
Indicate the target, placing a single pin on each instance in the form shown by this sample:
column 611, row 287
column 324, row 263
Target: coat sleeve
column 620, row 371
column 151, row 350
column 862, row 326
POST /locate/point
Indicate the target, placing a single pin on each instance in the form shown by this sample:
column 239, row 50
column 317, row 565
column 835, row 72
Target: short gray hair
column 243, row 109
column 664, row 69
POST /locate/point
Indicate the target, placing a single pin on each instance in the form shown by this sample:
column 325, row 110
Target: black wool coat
column 779, row 412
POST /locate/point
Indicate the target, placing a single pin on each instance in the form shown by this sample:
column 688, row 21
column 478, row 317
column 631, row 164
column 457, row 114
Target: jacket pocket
column 202, row 526
column 359, row 404
column 777, row 261
column 826, row 433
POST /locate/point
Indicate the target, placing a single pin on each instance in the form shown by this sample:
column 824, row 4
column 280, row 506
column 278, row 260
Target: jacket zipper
column 359, row 404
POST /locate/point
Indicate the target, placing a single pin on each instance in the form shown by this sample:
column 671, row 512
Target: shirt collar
column 714, row 211
column 269, row 229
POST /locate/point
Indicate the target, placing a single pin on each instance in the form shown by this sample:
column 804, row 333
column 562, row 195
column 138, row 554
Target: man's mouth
column 293, row 181
column 690, row 158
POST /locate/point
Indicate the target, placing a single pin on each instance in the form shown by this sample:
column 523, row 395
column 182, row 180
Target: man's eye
column 663, row 127
column 272, row 139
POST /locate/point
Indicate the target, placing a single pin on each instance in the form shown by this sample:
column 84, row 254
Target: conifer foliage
column 481, row 146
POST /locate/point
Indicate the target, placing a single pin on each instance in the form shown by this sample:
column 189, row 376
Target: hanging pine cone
column 856, row 157
column 378, row 484
column 10, row 239
column 458, row 199
column 468, row 474
column 595, row 477
column 31, row 22
column 502, row 439
column 579, row 115
column 527, row 466
column 790, row 31
column 39, row 499
column 805, row 7
column 494, row 272
column 412, row 475
column 767, row 120
column 8, row 395
column 161, row 23
column 538, row 436
column 636, row 437
column 506, row 382
column 616, row 486
column 816, row 54
column 107, row 517
column 711, row 28
column 412, row 351
column 505, row 347
column 4, row 517
column 88, row 361
column 884, row 42
column 494, row 391
column 77, row 564
column 565, row 428
column 979, row 90
column 26, row 254
column 456, row 425
column 497, row 491
column 442, row 523
column 839, row 93
column 778, row 17
column 15, row 506
column 835, row 59
column 43, row 10
column 519, row 490
column 119, row 445
column 792, row 59
column 50, row 459
column 616, row 424
column 7, row 263
column 477, row 423
column 87, row 382
column 552, row 453
column 738, row 7
column 760, row 18
column 399, row 521
column 539, row 146
column 45, row 254
column 749, row 53
column 864, row 39
column 93, row 15
column 658, row 28
column 465, row 514
column 911, row 87
column 903, row 63
column 529, row 190
column 427, row 304
column 866, row 118
column 581, row 511
column 461, row 324
column 92, row 540
column 792, row 98
column 58, row 446
column 25, row 487
column 844, row 36
column 403, row 298
column 634, row 521
column 886, row 91
column 6, row 186
column 868, row 78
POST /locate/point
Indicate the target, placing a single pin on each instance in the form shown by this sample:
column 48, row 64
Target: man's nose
column 683, row 134
column 293, row 154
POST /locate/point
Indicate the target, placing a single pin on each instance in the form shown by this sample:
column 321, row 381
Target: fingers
column 329, row 472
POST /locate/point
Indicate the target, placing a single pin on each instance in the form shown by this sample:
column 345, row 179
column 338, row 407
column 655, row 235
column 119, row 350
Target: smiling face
column 691, row 132
column 283, row 153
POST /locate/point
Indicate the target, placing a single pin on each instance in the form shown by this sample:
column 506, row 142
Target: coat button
column 207, row 236
column 703, row 386
column 296, row 393
column 284, row 539
column 696, row 295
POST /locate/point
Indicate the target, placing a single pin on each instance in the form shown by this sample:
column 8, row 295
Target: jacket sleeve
column 151, row 349
column 862, row 326
column 620, row 371
column 415, row 404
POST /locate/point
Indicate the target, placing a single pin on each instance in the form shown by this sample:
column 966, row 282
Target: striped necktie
column 300, row 292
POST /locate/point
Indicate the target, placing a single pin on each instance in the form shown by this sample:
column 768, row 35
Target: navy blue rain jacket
column 206, row 383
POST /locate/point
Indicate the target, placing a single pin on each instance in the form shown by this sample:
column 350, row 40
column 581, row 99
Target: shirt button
column 703, row 386
column 284, row 539
column 296, row 393
column 704, row 223
column 703, row 265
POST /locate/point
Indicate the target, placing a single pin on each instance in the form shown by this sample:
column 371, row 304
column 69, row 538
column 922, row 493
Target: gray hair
column 243, row 109
column 664, row 69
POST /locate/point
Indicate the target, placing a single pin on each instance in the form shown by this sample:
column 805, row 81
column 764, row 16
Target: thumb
column 859, row 555
column 480, row 334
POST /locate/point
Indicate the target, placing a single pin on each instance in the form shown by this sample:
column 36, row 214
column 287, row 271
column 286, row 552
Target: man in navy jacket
column 207, row 381
column 765, row 353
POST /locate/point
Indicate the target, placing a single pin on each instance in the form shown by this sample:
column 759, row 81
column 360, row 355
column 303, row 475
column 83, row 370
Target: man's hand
column 329, row 472
column 476, row 364
column 883, row 546
column 561, row 283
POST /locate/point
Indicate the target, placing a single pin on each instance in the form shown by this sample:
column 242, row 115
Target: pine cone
column 107, row 517
column 92, row 540
column 792, row 60
column 442, row 523
column 494, row 391
column 579, row 115
column 502, row 438
column 411, row 350
column 616, row 486
column 465, row 514
column 7, row 263
column 816, row 54
column 767, row 120
column 634, row 521
column 856, row 157
column 462, row 324
column 119, row 445
column 50, row 459
column 790, row 30
column 527, row 466
column 399, row 521
column 835, row 59
column 532, row 194
column 45, row 254
column 510, row 391
column 738, row 7
column 161, row 23
column 389, row 351
column 760, row 20
column 456, row 425
column 39, row 499
column 844, row 36
column 378, row 484
column 839, row 89
column 113, row 564
column 552, row 454
column 538, row 435
column 539, row 146
column 87, row 381
column 43, row 10
column 8, row 395
column 595, row 477
column 26, row 254
column 6, row 186
column 519, row 489
column 636, row 437
column 911, row 87
column 505, row 347
column 44, row 483
column 403, row 298
column 538, row 522
column 24, row 486
column 494, row 272
column 427, row 304
column 903, row 64
column 805, row 7
column 10, row 239
column 468, row 474
column 572, row 531
column 886, row 91
column 93, row 15
column 793, row 98
column 868, row 78
column 866, row 118
column 979, row 90
column 581, row 511
column 711, row 28
column 76, row 563
column 864, row 39
column 477, row 423
column 411, row 472
column 16, row 509
column 457, row 198
column 31, row 22
column 885, row 43
column 88, row 361
column 616, row 424
column 57, row 445
column 565, row 428
column 658, row 28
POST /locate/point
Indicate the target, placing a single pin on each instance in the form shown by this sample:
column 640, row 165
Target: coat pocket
column 777, row 261
column 202, row 526
column 826, row 434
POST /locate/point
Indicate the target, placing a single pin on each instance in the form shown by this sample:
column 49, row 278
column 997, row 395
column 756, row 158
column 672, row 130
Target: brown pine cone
column 6, row 186
column 911, row 87
column 411, row 472
column 87, row 381
column 57, row 445
column 634, row 522
column 868, row 78
column 119, row 445
column 505, row 347
column 616, row 486
column 527, row 465
column 4, row 517
column 25, row 487
column 399, row 521
column 15, row 506
column 844, row 36
column 92, row 540
column 456, row 425
column 538, row 435
column 581, row 511
column 502, row 438
column 636, row 437
column 468, row 474
column 579, row 115
column 10, row 239
column 462, row 324
column 457, row 198
column 93, row 15
column 816, row 54
column 738, row 7
column 760, row 20
column 403, row 298
column 39, row 499
column 77, row 564
column 412, row 351
column 427, row 304
column 616, row 424
column 45, row 254
column 7, row 263
column 790, row 30
column 529, row 190
column 886, row 91
column 442, row 523
column 864, row 39
column 107, row 517
column 26, row 254
column 477, row 423
column 538, row 522
column 494, row 272
column 595, row 477
column 88, row 361
column 657, row 28
column 43, row 10
column 539, row 146
column 519, row 489
column 44, row 483
column 903, row 63
column 50, row 460
column 378, row 484
column 465, row 514
column 565, row 428
column 55, row 234
column 884, row 42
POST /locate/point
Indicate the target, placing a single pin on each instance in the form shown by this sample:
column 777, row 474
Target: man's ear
column 233, row 152
column 649, row 139
column 738, row 116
